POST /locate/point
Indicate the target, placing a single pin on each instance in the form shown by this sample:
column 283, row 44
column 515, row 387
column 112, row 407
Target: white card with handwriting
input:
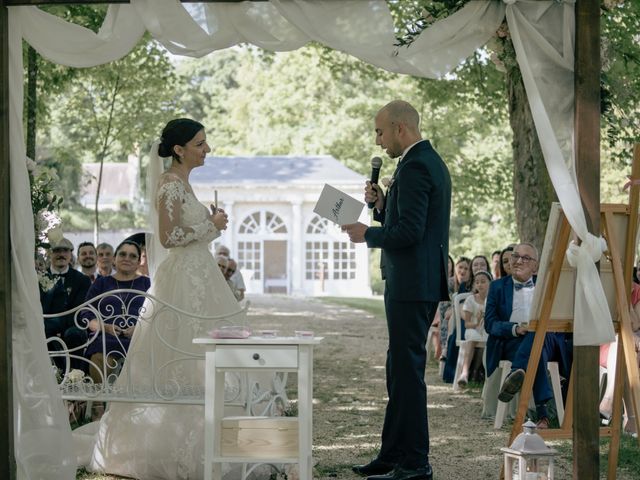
column 338, row 206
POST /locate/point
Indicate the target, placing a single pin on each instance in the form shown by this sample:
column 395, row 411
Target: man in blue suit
column 414, row 238
column 507, row 310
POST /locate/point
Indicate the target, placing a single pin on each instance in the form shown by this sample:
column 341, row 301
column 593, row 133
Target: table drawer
column 253, row 356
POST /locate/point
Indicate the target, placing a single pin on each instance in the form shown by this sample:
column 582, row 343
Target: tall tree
column 44, row 79
column 621, row 86
column 110, row 109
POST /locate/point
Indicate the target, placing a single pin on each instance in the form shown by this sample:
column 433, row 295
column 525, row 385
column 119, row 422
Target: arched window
column 318, row 225
column 251, row 224
column 273, row 223
column 262, row 222
column 324, row 256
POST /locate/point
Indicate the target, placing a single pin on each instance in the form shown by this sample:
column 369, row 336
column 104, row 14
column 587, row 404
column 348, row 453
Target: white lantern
column 528, row 457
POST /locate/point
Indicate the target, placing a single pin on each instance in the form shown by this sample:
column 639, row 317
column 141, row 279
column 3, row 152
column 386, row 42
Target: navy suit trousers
column 405, row 433
column 556, row 348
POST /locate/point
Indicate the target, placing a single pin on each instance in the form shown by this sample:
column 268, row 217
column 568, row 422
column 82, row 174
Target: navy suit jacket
column 496, row 320
column 66, row 294
column 414, row 235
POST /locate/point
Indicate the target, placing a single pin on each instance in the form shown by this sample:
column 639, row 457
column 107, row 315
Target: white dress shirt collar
column 406, row 150
column 59, row 272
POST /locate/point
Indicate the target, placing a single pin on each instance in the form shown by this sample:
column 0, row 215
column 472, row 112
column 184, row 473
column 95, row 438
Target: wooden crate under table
column 261, row 437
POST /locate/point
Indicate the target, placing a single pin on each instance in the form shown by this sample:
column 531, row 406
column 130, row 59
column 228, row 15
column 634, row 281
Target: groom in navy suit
column 414, row 238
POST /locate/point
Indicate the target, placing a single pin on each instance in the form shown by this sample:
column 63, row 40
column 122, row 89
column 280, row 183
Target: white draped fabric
column 543, row 35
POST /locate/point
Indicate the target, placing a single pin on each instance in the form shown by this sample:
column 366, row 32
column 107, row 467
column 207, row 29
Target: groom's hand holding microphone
column 375, row 199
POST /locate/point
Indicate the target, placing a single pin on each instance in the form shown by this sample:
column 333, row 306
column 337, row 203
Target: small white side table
column 257, row 439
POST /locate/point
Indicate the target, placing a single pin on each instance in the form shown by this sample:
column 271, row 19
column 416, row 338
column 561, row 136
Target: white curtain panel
column 198, row 29
column 67, row 44
column 43, row 442
column 542, row 32
column 543, row 36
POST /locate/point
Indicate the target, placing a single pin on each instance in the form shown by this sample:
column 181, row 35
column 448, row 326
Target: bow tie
column 519, row 285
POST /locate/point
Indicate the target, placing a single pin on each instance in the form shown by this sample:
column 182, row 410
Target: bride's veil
column 156, row 253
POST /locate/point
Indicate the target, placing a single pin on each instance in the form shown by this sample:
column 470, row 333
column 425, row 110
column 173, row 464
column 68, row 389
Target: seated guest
column 87, row 258
column 105, row 259
column 495, row 264
column 119, row 311
column 440, row 325
column 223, row 263
column 608, row 359
column 505, row 261
column 442, row 319
column 232, row 269
column 507, row 311
column 473, row 316
column 236, row 276
column 479, row 263
column 460, row 284
column 62, row 288
column 141, row 239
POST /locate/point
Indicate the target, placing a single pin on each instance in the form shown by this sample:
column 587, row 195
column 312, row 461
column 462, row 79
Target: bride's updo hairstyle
column 177, row 132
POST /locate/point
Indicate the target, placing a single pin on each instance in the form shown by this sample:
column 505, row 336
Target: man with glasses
column 234, row 276
column 507, row 312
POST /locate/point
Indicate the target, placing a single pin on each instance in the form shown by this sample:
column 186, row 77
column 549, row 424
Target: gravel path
column 350, row 397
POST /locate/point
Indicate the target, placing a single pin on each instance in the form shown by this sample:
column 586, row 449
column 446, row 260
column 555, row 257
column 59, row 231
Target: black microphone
column 376, row 163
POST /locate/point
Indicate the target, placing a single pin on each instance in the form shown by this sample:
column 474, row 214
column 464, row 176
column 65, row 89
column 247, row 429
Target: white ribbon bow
column 592, row 318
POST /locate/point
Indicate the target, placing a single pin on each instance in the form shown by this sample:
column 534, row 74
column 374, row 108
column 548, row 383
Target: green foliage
column 620, row 77
column 120, row 104
column 413, row 17
column 45, row 201
column 628, row 458
column 80, row 218
column 53, row 78
column 317, row 101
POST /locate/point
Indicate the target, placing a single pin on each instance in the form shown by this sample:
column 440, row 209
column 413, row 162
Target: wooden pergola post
column 586, row 418
column 7, row 463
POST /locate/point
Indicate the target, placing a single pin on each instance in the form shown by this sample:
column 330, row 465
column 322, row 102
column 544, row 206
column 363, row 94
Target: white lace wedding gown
column 152, row 441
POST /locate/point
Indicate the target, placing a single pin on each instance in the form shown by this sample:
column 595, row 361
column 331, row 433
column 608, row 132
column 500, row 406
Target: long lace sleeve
column 173, row 233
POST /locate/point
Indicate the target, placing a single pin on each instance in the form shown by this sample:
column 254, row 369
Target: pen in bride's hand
column 215, row 199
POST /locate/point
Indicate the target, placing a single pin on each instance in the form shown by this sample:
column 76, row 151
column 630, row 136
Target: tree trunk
column 532, row 189
column 96, row 220
column 32, row 101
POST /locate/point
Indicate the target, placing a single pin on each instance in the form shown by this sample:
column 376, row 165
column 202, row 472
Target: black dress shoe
column 374, row 467
column 512, row 385
column 422, row 473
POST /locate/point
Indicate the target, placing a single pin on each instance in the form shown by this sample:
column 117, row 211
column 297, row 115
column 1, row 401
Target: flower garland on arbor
column 45, row 203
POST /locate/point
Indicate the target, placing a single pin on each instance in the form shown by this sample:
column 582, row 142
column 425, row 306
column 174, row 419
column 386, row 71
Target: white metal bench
column 262, row 394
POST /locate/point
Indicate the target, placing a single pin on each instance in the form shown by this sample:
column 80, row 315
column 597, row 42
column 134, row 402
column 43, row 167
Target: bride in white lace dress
column 147, row 441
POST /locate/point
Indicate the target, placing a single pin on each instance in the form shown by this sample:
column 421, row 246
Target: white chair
column 456, row 304
column 554, row 374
